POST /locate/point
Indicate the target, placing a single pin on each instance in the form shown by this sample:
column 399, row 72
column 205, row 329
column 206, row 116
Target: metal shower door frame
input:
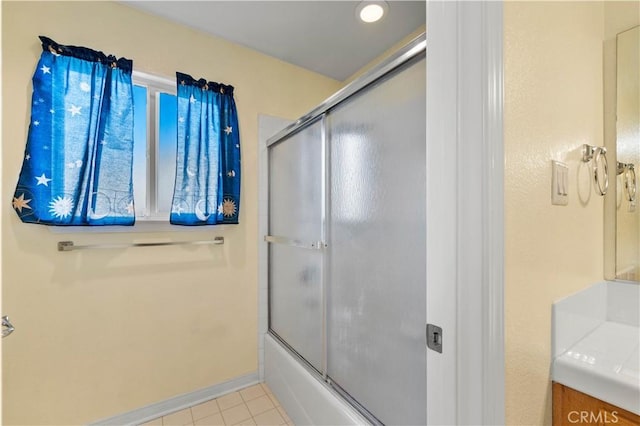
column 414, row 49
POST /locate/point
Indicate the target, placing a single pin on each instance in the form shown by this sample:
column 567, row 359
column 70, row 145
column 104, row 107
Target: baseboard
column 162, row 408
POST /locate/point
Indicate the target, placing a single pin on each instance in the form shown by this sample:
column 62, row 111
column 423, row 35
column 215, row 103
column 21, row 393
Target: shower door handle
column 434, row 338
column 312, row 245
column 7, row 327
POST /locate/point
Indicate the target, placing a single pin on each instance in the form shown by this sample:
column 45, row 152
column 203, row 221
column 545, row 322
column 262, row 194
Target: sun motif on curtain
column 228, row 208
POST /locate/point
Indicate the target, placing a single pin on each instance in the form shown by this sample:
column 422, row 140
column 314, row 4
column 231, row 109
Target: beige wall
column 553, row 104
column 103, row 332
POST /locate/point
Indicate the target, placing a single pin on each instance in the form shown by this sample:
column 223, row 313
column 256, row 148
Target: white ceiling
column 322, row 36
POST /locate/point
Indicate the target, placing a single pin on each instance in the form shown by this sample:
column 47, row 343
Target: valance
column 86, row 54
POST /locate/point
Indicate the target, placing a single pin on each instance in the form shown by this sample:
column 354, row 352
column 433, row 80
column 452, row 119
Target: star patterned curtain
column 77, row 168
column 207, row 186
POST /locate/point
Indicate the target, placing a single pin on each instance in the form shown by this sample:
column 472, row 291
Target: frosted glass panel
column 295, row 299
column 295, row 212
column 295, row 185
column 377, row 291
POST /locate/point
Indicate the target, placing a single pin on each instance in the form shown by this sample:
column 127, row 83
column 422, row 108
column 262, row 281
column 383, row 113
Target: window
column 154, row 157
column 209, row 186
column 107, row 146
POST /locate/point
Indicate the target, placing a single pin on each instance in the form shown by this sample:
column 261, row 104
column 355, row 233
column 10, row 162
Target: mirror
column 628, row 154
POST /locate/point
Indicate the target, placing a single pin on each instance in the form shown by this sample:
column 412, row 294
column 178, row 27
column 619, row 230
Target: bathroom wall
column 553, row 104
column 103, row 332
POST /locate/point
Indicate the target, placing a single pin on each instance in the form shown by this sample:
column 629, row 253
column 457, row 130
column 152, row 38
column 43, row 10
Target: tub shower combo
column 347, row 249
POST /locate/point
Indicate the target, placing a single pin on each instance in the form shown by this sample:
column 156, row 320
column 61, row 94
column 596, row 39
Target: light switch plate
column 559, row 183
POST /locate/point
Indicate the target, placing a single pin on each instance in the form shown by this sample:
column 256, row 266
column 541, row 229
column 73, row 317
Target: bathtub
column 305, row 398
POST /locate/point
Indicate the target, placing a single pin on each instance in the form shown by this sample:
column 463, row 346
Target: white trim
column 493, row 388
column 180, row 402
column 480, row 360
column 441, row 199
column 465, row 250
column 164, row 84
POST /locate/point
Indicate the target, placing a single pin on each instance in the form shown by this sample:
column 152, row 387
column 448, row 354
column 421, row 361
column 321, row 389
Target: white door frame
column 465, row 212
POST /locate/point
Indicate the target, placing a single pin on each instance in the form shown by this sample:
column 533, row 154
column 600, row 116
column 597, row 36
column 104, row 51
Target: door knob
column 7, row 327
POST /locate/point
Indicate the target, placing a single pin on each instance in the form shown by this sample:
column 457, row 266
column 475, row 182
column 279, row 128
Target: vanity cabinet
column 571, row 407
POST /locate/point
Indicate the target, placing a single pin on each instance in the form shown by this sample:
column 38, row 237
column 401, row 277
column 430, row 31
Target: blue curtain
column 77, row 168
column 207, row 187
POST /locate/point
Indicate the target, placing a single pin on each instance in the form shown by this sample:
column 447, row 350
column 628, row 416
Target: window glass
column 140, row 149
column 167, row 142
column 154, row 111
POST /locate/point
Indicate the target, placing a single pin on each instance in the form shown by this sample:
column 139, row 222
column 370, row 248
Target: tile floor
column 254, row 405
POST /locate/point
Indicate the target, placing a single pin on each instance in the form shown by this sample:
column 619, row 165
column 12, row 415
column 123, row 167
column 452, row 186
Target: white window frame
column 155, row 85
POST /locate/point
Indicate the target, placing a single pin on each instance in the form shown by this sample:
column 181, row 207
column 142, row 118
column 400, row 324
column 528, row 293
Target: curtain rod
column 70, row 246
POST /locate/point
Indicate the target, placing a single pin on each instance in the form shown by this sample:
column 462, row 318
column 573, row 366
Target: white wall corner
column 442, row 124
column 493, row 279
column 481, row 215
column 465, row 139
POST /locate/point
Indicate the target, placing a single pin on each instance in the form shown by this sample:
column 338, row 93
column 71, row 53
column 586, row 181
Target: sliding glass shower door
column 347, row 218
column 377, row 247
column 295, row 219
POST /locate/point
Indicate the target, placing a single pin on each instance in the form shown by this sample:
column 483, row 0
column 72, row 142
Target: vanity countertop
column 596, row 343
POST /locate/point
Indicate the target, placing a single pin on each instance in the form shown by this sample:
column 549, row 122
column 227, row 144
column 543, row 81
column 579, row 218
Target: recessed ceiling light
column 371, row 11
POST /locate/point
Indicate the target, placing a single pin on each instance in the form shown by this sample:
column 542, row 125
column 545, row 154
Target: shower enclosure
column 347, row 240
